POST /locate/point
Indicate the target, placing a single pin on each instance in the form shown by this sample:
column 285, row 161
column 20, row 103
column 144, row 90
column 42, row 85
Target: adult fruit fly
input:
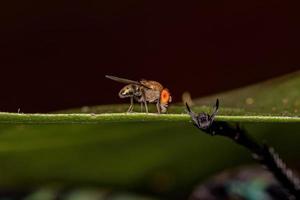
column 144, row 91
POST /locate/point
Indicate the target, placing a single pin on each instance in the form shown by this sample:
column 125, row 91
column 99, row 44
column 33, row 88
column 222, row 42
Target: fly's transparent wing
column 126, row 81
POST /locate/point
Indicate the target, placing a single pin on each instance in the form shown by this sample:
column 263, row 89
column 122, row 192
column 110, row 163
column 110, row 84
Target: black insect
column 262, row 153
column 203, row 120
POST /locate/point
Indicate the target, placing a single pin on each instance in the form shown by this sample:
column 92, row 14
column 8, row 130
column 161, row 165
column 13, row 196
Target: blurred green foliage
column 158, row 154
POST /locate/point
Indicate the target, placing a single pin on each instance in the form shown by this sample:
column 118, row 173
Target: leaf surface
column 104, row 146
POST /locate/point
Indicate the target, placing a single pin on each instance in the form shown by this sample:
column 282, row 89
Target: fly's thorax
column 153, row 85
column 151, row 95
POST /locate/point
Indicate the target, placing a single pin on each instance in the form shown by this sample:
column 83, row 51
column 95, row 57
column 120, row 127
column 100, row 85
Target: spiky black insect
column 262, row 153
column 203, row 120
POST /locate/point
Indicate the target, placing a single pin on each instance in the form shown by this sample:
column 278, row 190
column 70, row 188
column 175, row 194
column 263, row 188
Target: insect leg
column 193, row 115
column 146, row 107
column 131, row 105
column 216, row 109
column 158, row 107
column 144, row 99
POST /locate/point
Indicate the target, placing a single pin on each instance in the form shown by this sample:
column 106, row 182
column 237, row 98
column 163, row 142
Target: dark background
column 54, row 54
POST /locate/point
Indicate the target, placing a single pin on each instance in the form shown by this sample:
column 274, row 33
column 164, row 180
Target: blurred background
column 54, row 54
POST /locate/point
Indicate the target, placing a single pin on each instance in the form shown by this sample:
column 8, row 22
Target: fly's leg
column 144, row 100
column 146, row 107
column 131, row 105
column 158, row 107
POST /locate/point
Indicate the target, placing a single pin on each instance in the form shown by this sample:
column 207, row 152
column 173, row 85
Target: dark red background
column 54, row 54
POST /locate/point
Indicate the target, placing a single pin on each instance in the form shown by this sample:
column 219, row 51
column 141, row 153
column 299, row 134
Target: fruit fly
column 144, row 91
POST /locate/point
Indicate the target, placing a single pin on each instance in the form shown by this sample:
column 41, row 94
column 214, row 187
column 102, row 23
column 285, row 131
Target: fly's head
column 165, row 99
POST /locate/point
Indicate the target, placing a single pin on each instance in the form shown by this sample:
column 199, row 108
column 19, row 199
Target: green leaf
column 275, row 97
column 106, row 147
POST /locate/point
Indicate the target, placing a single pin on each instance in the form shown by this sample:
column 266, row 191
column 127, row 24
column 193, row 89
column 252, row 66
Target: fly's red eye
column 164, row 96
